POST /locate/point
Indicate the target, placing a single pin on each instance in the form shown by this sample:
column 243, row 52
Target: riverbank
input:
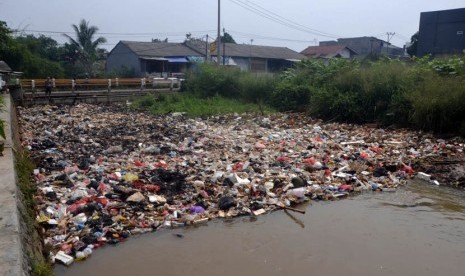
column 11, row 257
column 20, row 243
column 105, row 173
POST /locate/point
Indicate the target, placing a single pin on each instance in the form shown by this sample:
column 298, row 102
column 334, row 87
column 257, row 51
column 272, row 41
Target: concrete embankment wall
column 19, row 242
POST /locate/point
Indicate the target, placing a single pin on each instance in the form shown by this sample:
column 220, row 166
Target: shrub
column 208, row 80
column 195, row 106
column 291, row 97
column 438, row 104
column 256, row 89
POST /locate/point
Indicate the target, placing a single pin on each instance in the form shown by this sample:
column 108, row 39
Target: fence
column 37, row 85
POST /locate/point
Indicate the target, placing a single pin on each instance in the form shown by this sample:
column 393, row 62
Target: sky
column 295, row 24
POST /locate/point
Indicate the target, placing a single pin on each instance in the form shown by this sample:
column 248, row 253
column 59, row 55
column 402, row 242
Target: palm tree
column 86, row 47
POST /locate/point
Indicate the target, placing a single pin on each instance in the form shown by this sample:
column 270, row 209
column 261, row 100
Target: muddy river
column 418, row 230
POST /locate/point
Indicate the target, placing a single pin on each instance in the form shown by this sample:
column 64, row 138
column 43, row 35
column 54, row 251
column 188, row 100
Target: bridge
column 71, row 91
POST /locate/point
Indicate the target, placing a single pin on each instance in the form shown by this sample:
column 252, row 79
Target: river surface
column 417, row 230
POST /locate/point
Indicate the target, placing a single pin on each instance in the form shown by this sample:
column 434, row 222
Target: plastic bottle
column 298, row 192
column 373, row 185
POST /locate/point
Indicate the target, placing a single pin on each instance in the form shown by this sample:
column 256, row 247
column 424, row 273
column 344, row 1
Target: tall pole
column 218, row 37
column 207, row 49
column 389, row 36
column 250, row 58
column 224, row 49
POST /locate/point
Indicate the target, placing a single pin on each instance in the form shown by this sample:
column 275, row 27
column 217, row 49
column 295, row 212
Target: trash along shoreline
column 105, row 172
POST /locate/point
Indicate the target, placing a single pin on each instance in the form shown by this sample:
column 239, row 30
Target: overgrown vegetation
column 33, row 244
column 41, row 56
column 194, row 106
column 422, row 93
column 211, row 90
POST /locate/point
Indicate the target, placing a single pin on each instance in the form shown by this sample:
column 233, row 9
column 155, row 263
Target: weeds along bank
column 423, row 94
column 21, row 241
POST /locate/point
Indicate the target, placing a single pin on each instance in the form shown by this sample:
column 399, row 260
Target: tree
column 227, row 38
column 29, row 54
column 43, row 46
column 6, row 41
column 159, row 40
column 87, row 48
column 4, row 34
column 413, row 48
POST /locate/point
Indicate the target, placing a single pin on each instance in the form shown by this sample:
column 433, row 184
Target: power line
column 290, row 21
column 211, row 33
column 256, row 36
column 279, row 19
column 105, row 33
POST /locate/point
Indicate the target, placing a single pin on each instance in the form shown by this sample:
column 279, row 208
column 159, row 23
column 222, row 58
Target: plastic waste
column 129, row 173
column 64, row 258
column 226, row 203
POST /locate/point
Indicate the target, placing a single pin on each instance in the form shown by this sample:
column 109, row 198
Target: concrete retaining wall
column 12, row 261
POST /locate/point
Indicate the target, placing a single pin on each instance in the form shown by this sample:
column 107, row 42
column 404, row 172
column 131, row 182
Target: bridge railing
column 38, row 85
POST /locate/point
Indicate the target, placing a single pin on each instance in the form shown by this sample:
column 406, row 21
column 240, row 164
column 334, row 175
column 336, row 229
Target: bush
column 426, row 94
column 208, row 80
column 438, row 104
column 122, row 72
column 256, row 89
column 291, row 97
column 146, row 101
column 194, row 106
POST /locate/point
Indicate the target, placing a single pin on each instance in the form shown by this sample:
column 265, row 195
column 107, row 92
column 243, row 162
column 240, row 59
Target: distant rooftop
column 160, row 49
column 327, row 51
column 4, row 67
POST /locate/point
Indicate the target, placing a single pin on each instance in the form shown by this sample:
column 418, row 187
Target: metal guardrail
column 36, row 85
column 66, row 91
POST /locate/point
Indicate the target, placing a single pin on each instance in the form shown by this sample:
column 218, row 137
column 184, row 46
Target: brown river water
column 417, row 230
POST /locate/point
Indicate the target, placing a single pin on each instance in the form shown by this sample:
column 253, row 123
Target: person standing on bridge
column 48, row 87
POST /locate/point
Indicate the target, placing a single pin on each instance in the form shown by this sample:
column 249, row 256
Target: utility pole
column 224, row 48
column 207, row 49
column 218, row 37
column 389, row 37
column 250, row 59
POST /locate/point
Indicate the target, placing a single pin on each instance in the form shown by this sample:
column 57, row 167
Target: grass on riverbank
column 33, row 241
column 197, row 107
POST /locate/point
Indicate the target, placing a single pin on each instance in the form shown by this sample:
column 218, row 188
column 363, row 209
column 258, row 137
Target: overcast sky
column 295, row 24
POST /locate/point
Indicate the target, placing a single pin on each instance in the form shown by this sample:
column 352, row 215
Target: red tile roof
column 324, row 51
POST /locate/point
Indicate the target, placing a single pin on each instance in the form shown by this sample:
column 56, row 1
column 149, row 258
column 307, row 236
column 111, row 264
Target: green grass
column 33, row 245
column 197, row 107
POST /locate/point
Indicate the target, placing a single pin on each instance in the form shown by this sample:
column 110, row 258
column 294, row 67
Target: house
column 5, row 72
column 367, row 45
column 328, row 52
column 147, row 58
column 442, row 32
column 258, row 58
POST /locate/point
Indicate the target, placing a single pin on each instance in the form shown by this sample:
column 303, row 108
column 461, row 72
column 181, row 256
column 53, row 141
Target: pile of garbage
column 105, row 173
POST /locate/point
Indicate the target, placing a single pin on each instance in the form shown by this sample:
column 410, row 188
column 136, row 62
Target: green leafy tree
column 4, row 34
column 86, row 46
column 29, row 54
column 40, row 56
column 412, row 49
column 8, row 49
column 227, row 38
column 43, row 46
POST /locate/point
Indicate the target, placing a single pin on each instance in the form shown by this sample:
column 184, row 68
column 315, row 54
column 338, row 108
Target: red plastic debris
column 283, row 158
